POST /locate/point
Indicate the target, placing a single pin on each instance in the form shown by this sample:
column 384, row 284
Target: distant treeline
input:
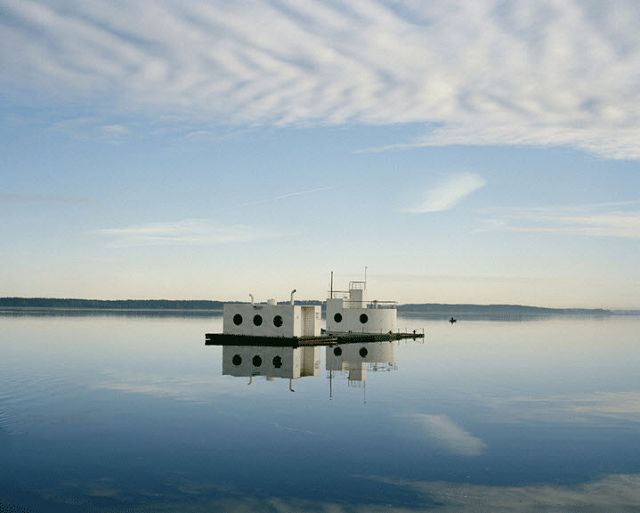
column 507, row 310
column 434, row 309
column 113, row 304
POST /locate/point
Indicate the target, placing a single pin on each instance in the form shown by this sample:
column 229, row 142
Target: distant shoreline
column 203, row 306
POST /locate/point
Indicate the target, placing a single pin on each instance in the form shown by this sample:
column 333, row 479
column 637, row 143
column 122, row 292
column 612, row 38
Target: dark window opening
column 237, row 319
column 363, row 352
column 337, row 351
column 337, row 317
column 277, row 362
column 364, row 318
column 277, row 321
column 257, row 320
column 236, row 360
column 257, row 361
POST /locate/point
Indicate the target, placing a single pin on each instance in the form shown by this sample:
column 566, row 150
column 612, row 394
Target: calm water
column 115, row 414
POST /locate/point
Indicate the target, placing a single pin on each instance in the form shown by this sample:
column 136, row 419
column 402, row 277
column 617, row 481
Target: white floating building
column 271, row 319
column 350, row 311
column 350, row 315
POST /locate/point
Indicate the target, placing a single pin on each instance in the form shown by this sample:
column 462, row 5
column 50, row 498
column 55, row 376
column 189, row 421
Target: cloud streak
column 188, row 232
column 554, row 72
column 449, row 193
column 617, row 220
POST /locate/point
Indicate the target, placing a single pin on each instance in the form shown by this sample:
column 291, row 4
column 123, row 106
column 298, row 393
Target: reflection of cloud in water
column 554, row 408
column 610, row 494
column 453, row 437
column 193, row 389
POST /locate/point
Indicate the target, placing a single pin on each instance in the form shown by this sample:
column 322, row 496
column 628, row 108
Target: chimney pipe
column 292, row 293
column 251, row 296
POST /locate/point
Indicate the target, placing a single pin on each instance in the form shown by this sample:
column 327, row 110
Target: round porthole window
column 337, row 351
column 337, row 317
column 237, row 319
column 277, row 321
column 363, row 352
column 277, row 362
column 236, row 360
column 364, row 318
column 257, row 361
column 257, row 320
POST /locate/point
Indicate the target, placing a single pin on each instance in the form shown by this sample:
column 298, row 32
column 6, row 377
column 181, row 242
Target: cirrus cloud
column 554, row 72
column 449, row 193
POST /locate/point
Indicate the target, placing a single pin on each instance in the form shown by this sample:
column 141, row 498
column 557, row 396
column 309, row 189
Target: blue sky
column 479, row 152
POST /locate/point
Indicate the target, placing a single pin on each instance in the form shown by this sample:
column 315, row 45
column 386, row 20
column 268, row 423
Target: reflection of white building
column 272, row 362
column 356, row 359
column 271, row 319
column 352, row 312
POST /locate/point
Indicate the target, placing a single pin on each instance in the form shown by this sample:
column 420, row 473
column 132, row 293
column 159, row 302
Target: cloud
column 487, row 72
column 187, row 232
column 21, row 198
column 445, row 432
column 449, row 193
column 621, row 406
column 599, row 220
column 287, row 195
column 612, row 493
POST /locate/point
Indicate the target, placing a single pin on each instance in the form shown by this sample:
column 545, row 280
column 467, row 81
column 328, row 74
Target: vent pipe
column 292, row 293
column 251, row 296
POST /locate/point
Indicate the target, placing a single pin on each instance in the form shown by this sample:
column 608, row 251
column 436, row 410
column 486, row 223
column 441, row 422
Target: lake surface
column 133, row 414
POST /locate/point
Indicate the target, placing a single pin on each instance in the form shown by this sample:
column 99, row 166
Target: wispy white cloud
column 287, row 195
column 184, row 233
column 613, row 492
column 553, row 72
column 445, row 432
column 22, row 198
column 597, row 220
column 608, row 405
column 448, row 193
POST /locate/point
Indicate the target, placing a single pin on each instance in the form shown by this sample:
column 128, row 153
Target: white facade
column 271, row 320
column 351, row 312
column 358, row 358
column 272, row 362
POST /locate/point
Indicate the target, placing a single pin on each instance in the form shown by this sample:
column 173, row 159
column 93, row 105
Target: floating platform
column 225, row 339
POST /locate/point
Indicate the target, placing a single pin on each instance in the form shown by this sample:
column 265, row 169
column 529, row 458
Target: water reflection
column 116, row 414
column 271, row 362
column 356, row 360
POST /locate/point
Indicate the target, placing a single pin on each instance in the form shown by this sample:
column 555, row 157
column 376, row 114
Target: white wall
column 291, row 326
column 379, row 320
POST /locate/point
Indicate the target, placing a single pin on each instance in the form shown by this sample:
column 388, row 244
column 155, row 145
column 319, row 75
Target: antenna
column 331, row 294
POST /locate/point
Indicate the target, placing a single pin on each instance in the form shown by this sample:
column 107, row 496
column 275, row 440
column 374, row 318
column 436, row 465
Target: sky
column 464, row 152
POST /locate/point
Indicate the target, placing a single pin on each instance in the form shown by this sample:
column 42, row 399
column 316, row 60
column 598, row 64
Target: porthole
column 257, row 361
column 364, row 318
column 363, row 352
column 337, row 351
column 236, row 360
column 257, row 320
column 277, row 362
column 337, row 317
column 277, row 321
column 237, row 319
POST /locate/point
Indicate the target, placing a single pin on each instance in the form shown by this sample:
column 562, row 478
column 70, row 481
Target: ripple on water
column 20, row 396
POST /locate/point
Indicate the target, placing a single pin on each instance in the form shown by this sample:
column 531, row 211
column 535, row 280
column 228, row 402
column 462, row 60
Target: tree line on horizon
column 204, row 304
